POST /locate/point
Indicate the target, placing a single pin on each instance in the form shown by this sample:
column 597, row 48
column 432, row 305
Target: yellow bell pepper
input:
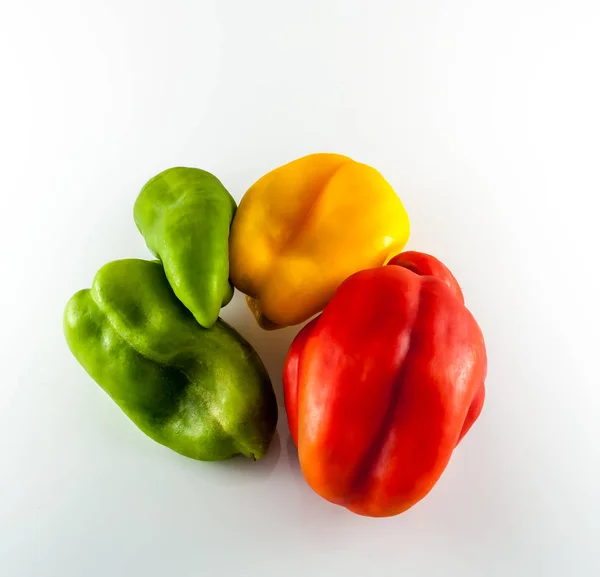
column 305, row 227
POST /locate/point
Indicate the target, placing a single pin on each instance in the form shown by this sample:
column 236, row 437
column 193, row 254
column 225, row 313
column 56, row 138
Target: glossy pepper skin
column 203, row 393
column 303, row 228
column 382, row 386
column 185, row 216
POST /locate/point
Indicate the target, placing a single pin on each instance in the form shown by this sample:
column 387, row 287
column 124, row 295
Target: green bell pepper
column 201, row 392
column 185, row 215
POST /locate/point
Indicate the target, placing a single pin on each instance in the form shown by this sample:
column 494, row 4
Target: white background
column 484, row 115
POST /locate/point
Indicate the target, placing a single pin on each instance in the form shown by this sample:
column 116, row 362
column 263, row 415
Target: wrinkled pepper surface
column 382, row 386
column 304, row 228
column 185, row 215
column 201, row 392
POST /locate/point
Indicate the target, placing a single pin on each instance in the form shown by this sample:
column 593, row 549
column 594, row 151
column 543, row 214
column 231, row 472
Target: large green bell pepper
column 201, row 392
column 185, row 215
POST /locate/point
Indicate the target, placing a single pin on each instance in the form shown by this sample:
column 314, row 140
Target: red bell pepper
column 382, row 386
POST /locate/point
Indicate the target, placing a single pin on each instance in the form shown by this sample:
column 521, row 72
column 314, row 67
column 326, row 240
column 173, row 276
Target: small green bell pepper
column 185, row 215
column 201, row 392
